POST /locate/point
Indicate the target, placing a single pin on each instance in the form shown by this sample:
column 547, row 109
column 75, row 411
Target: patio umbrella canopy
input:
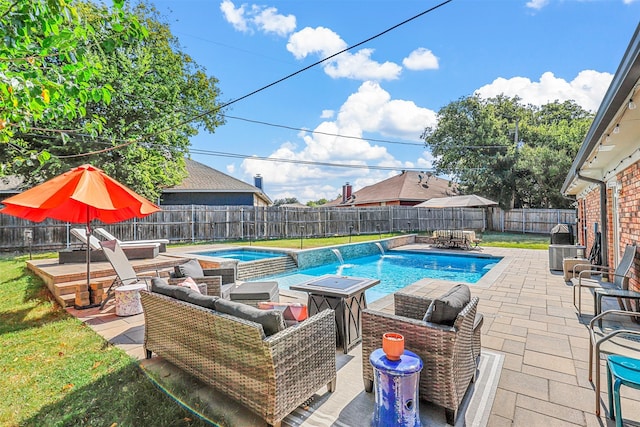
column 80, row 196
column 470, row 201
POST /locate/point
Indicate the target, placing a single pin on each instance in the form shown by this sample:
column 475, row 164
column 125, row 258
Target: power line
column 384, row 141
column 304, row 162
column 220, row 107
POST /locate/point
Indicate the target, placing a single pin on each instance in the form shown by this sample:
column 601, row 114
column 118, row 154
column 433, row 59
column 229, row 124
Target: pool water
column 243, row 255
column 398, row 269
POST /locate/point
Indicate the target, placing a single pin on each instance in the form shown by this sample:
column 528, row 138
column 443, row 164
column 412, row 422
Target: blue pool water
column 398, row 269
column 243, row 255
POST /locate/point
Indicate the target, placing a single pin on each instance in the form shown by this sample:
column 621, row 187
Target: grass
column 56, row 371
column 515, row 240
column 492, row 239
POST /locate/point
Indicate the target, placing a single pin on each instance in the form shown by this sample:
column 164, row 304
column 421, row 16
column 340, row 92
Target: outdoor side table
column 396, row 389
column 128, row 299
column 568, row 265
column 344, row 295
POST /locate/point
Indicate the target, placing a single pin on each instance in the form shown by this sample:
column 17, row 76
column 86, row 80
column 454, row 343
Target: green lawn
column 56, row 371
column 504, row 240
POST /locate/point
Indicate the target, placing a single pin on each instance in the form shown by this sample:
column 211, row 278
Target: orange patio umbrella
column 81, row 195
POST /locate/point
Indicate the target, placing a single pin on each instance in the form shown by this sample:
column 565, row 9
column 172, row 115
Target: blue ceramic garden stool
column 620, row 370
column 396, row 389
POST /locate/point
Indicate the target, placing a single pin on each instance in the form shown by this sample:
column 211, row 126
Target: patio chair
column 620, row 277
column 450, row 350
column 108, row 236
column 125, row 274
column 621, row 340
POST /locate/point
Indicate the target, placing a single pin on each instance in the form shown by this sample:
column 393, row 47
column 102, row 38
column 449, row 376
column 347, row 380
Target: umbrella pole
column 88, row 256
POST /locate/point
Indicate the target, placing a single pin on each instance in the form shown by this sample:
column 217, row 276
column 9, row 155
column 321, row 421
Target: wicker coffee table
column 345, row 295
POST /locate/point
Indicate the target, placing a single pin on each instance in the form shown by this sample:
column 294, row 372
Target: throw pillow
column 271, row 320
column 444, row 309
column 188, row 282
column 191, row 268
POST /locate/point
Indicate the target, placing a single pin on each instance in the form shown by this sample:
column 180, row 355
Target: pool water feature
column 397, row 269
column 243, row 255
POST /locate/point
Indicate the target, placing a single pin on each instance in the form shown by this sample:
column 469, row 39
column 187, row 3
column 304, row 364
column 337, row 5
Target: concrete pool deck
column 529, row 319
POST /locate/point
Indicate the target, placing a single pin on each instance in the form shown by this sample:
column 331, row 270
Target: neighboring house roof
column 408, row 187
column 204, row 179
column 612, row 143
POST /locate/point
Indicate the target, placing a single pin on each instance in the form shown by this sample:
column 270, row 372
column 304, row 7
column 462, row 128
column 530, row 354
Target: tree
column 515, row 154
column 161, row 97
column 47, row 60
column 285, row 201
column 318, row 202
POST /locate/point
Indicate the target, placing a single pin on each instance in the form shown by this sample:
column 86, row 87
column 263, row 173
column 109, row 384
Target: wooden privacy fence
column 191, row 223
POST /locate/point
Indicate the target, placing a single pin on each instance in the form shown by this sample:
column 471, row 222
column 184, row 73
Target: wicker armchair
column 219, row 281
column 449, row 353
column 271, row 376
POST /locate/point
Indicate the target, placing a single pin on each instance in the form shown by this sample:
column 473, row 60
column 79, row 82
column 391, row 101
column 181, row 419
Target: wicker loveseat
column 449, row 353
column 269, row 375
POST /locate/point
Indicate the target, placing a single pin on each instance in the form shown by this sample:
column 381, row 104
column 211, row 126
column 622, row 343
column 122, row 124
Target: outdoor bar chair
column 620, row 277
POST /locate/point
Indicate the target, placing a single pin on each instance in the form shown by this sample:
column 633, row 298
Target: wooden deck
column 63, row 279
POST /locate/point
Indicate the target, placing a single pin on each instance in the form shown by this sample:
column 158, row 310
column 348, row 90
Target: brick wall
column 628, row 217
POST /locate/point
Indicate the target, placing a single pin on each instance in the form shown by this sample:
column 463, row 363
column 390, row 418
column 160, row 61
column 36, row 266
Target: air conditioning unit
column 558, row 252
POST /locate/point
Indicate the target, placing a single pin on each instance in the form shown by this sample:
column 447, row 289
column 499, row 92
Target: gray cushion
column 272, row 321
column 160, row 286
column 191, row 268
column 444, row 309
column 182, row 293
column 262, row 291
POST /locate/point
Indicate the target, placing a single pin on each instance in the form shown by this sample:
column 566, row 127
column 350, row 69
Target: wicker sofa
column 270, row 375
column 449, row 353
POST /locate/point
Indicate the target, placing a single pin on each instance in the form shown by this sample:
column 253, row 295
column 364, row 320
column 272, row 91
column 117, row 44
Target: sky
column 367, row 107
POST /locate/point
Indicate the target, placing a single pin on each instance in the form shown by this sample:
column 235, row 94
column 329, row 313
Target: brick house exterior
column 605, row 175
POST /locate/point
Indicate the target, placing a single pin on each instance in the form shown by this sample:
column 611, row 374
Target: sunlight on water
column 397, row 270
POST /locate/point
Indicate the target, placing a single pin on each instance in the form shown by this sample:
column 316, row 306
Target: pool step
column 265, row 267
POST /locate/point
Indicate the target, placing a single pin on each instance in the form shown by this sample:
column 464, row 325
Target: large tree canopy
column 48, row 58
column 501, row 149
column 159, row 98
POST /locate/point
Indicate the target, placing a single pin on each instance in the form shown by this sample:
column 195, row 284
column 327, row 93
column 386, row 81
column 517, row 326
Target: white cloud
column 421, row 59
column 370, row 109
column 628, row 1
column 269, row 21
column 265, row 19
column 318, row 40
column 537, row 4
column 325, row 42
column 231, row 168
column 327, row 114
column 587, row 89
column 234, row 16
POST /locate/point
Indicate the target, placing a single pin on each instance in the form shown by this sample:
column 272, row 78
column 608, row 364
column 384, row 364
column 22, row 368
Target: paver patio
column 528, row 317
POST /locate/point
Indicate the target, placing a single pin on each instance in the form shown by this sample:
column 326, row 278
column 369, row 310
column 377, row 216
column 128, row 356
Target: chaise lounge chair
column 108, row 236
column 140, row 251
column 125, row 274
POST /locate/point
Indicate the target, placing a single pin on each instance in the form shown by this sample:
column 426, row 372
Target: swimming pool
column 397, row 269
column 242, row 255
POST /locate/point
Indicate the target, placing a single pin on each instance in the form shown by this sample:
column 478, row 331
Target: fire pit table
column 343, row 294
